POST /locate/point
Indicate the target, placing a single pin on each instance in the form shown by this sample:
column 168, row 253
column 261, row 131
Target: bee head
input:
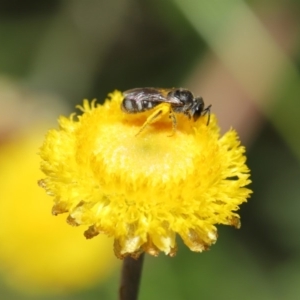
column 197, row 108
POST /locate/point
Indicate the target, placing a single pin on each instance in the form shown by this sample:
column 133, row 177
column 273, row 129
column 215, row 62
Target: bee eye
column 197, row 108
column 196, row 114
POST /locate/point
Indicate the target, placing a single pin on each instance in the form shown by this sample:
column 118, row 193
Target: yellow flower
column 38, row 253
column 144, row 190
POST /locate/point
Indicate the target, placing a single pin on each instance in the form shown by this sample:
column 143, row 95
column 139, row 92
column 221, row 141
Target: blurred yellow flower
column 143, row 190
column 39, row 253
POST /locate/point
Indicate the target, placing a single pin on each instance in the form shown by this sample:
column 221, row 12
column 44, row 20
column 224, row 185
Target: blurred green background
column 240, row 56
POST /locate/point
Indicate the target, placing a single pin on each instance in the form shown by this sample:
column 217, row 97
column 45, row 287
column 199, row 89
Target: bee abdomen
column 133, row 106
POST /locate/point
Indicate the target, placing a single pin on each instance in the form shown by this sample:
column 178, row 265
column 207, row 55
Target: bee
column 162, row 102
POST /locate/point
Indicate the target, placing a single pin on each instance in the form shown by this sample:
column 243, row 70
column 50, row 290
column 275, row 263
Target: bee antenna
column 207, row 111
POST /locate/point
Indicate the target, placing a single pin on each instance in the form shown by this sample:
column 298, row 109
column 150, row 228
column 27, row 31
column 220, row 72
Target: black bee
column 163, row 101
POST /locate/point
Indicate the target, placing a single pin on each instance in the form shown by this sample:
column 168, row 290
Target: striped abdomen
column 134, row 106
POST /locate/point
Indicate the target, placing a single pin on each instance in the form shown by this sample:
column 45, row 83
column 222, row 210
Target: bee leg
column 160, row 111
column 174, row 122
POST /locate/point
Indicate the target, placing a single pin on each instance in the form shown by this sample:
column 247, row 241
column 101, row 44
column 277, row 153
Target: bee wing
column 150, row 94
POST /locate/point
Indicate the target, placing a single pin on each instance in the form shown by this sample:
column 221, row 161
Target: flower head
column 144, row 190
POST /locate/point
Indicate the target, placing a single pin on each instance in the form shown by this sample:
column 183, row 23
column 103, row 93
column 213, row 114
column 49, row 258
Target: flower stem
column 130, row 278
